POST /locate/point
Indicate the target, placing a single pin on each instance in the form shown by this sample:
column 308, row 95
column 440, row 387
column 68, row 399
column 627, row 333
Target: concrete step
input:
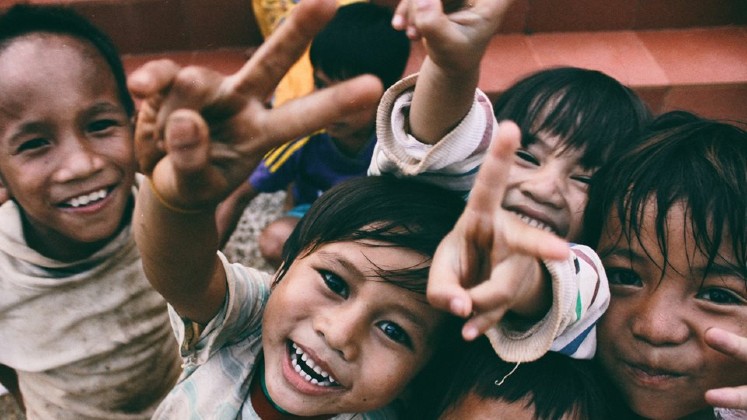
column 703, row 70
column 678, row 54
column 141, row 26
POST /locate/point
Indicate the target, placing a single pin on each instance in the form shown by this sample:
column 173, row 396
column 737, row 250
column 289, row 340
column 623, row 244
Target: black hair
column 360, row 40
column 587, row 109
column 396, row 212
column 552, row 386
column 25, row 19
column 683, row 159
column 390, row 211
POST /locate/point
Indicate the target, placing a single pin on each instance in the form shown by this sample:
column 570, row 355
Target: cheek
column 577, row 199
column 388, row 380
column 26, row 185
column 724, row 370
column 122, row 152
column 611, row 327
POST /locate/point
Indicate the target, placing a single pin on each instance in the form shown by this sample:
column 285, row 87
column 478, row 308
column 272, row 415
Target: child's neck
column 263, row 404
column 353, row 145
column 61, row 248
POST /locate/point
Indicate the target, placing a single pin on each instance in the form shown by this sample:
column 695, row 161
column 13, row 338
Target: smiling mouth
column 86, row 199
column 307, row 368
column 652, row 376
column 535, row 223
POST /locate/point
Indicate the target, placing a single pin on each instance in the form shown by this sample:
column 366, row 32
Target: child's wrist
column 172, row 207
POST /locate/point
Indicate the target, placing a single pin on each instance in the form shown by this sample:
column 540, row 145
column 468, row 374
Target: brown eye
column 621, row 277
column 720, row 296
column 335, row 283
column 527, row 157
column 32, row 144
column 582, row 179
column 395, row 333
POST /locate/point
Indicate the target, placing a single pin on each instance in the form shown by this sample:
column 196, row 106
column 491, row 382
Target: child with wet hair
column 668, row 220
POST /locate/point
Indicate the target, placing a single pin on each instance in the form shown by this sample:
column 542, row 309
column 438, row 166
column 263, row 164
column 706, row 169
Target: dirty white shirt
column 88, row 339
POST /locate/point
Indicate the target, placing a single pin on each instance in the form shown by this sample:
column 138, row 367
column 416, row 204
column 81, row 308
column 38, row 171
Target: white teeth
column 534, row 222
column 88, row 198
column 303, row 365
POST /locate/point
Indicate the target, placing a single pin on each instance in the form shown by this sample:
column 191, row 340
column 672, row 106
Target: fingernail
column 182, row 128
column 422, row 3
column 398, row 22
column 457, row 306
column 469, row 332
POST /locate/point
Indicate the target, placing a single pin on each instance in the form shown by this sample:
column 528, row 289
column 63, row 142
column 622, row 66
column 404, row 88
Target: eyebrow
column 24, row 129
column 717, row 269
column 352, row 269
column 103, row 106
column 343, row 263
column 626, row 253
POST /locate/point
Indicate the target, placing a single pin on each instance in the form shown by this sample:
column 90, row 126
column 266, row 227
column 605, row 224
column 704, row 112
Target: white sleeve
column 580, row 297
column 452, row 163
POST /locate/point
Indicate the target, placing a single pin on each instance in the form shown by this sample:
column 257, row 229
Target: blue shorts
column 298, row 211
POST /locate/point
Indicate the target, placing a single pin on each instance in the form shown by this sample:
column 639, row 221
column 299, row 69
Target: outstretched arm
column 455, row 42
column 200, row 134
column 489, row 264
column 734, row 346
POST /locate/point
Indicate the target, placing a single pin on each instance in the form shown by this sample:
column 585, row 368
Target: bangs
column 587, row 110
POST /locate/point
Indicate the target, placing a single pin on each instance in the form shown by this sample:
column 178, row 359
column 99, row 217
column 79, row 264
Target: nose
column 658, row 320
column 343, row 327
column 545, row 186
column 79, row 159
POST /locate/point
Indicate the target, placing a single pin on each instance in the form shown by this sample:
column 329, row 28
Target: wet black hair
column 23, row 19
column 685, row 159
column 587, row 109
column 552, row 386
column 360, row 40
column 396, row 212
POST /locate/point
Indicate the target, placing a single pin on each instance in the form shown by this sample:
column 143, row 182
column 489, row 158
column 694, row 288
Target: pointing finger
column 269, row 64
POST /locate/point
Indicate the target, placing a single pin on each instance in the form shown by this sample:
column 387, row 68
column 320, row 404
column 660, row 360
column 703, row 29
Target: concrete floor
column 9, row 409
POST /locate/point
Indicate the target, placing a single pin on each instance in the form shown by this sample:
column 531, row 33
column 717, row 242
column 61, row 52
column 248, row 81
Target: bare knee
column 273, row 237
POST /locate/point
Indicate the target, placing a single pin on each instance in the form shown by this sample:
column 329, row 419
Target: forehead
column 68, row 73
column 475, row 407
column 51, row 56
column 381, row 271
column 551, row 144
column 674, row 235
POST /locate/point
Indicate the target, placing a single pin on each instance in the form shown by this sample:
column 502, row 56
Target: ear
column 4, row 193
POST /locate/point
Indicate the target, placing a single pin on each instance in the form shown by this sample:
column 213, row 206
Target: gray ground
column 9, row 409
column 241, row 247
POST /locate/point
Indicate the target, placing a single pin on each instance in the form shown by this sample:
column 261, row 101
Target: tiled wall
column 141, row 26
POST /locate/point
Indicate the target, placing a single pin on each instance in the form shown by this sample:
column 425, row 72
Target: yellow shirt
column 299, row 80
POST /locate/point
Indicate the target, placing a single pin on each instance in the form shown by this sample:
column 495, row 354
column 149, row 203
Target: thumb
column 187, row 141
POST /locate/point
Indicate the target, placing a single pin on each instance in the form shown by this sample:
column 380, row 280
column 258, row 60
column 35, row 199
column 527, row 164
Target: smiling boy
column 86, row 335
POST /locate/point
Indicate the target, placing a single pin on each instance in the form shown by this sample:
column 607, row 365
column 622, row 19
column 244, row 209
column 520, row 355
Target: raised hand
column 489, row 263
column 455, row 33
column 734, row 346
column 200, row 134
